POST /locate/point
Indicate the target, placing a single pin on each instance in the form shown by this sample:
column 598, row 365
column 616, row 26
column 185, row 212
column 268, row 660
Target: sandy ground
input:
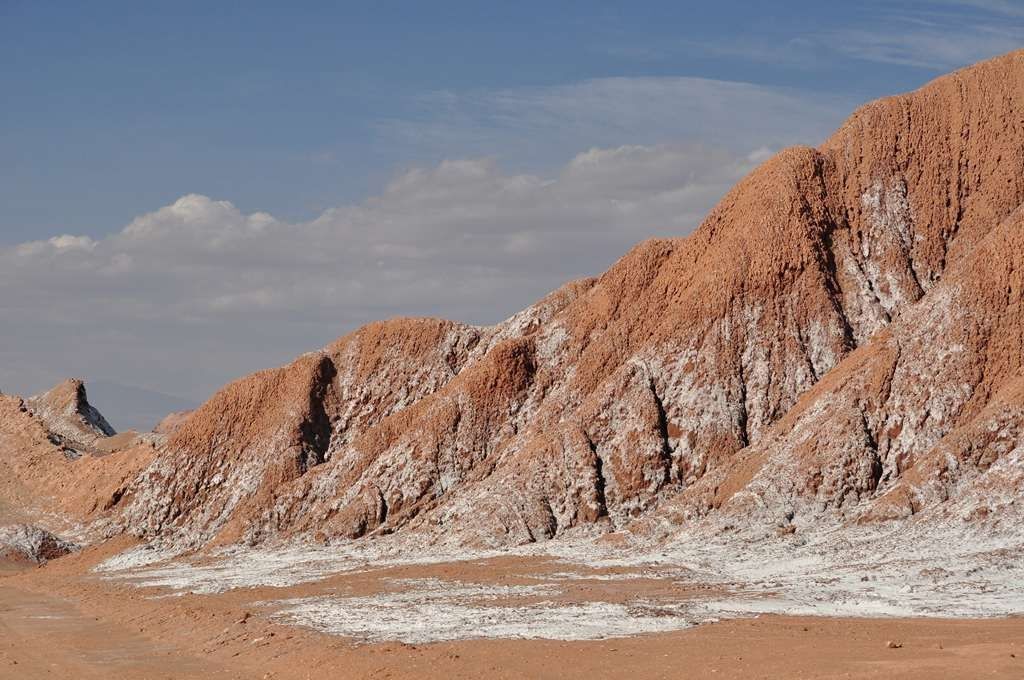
column 63, row 621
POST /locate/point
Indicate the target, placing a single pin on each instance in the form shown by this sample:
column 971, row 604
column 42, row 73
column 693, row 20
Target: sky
column 191, row 191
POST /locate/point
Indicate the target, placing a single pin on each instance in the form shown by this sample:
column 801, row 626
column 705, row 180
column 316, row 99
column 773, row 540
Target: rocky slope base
column 840, row 341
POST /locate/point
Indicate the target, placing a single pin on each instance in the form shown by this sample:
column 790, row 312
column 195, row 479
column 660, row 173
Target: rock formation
column 30, row 544
column 840, row 339
column 55, row 460
column 69, row 416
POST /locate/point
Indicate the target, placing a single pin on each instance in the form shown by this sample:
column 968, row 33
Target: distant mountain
column 134, row 408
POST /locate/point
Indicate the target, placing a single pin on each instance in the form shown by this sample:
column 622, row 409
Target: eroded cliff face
column 66, row 412
column 923, row 414
column 840, row 338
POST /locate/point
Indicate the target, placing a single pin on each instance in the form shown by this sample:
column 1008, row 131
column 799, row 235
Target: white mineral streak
column 889, row 240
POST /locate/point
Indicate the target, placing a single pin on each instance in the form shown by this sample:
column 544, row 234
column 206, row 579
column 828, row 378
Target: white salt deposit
column 940, row 567
column 428, row 610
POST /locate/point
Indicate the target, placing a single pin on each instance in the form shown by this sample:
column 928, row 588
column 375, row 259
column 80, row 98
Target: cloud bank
column 198, row 291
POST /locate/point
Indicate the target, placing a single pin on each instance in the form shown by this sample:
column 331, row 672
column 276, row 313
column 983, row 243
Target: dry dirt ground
column 65, row 621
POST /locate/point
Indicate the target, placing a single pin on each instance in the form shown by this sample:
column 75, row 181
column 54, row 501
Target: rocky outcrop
column 834, row 340
column 68, row 415
column 44, row 473
column 31, row 544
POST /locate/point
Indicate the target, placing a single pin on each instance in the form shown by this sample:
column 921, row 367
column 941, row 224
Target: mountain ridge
column 631, row 387
column 764, row 366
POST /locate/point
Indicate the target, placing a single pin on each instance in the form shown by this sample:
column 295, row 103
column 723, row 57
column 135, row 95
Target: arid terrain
column 788, row 445
column 62, row 621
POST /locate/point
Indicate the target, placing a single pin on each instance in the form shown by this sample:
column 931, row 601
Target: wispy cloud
column 542, row 122
column 932, row 34
column 995, row 7
column 930, row 43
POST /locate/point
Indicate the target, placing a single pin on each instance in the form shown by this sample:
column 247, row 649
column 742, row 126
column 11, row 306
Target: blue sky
column 114, row 108
column 192, row 191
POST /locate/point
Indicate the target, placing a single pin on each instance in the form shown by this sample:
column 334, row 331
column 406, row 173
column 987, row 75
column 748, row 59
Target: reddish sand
column 62, row 621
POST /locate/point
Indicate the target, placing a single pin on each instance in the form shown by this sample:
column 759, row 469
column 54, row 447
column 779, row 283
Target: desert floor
column 65, row 621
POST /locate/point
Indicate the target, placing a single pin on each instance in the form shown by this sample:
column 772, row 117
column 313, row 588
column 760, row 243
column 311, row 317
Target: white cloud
column 198, row 291
column 56, row 245
column 212, row 225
